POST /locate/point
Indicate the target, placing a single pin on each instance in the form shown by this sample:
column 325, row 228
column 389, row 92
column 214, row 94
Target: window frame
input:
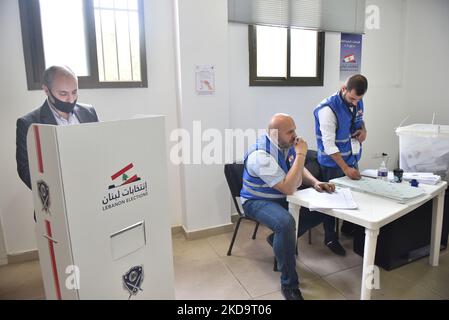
column 33, row 48
column 254, row 80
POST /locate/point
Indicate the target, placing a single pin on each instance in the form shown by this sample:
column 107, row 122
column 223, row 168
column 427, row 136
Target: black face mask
column 62, row 106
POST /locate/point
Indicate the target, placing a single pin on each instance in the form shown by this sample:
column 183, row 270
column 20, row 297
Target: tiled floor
column 204, row 271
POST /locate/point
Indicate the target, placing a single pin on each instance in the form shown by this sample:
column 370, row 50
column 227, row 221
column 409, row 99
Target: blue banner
column 350, row 55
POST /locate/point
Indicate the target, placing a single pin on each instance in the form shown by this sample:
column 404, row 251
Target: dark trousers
column 275, row 215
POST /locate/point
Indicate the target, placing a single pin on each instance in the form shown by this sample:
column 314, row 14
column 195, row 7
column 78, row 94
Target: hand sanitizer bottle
column 382, row 172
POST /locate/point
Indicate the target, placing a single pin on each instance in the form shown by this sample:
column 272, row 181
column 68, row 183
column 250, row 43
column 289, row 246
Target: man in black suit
column 60, row 108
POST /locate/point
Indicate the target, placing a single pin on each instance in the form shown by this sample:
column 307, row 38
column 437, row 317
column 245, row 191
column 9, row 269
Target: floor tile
column 319, row 289
column 204, row 271
column 435, row 279
column 206, row 280
column 320, row 259
column 389, row 286
column 21, row 281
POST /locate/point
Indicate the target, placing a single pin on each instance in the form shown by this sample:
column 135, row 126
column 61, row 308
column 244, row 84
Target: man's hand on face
column 301, row 146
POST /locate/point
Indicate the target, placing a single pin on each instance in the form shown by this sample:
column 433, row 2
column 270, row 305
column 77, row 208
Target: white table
column 374, row 212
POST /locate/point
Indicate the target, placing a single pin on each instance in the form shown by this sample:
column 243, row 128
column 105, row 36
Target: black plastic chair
column 234, row 177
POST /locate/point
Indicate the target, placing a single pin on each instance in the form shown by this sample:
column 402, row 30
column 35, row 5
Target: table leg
column 294, row 211
column 437, row 225
column 368, row 263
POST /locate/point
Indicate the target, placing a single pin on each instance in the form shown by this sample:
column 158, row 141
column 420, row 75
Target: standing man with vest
column 60, row 84
column 274, row 168
column 340, row 132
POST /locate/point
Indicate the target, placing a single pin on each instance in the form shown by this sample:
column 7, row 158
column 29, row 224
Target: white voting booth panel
column 100, row 198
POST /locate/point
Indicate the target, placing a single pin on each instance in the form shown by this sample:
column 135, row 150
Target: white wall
column 383, row 64
column 427, row 63
column 16, row 204
column 3, row 253
column 202, row 30
column 16, row 210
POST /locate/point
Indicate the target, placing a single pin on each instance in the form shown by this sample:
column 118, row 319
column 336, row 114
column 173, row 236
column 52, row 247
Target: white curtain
column 346, row 16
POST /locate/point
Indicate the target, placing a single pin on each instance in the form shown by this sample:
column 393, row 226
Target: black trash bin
column 405, row 239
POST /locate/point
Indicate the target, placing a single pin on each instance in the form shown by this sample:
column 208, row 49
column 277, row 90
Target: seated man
column 274, row 168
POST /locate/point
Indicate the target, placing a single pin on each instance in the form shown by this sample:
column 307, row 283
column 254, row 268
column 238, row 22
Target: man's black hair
column 357, row 82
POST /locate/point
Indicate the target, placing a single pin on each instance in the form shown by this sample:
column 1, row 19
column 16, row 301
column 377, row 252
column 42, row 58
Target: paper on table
column 340, row 199
column 422, row 177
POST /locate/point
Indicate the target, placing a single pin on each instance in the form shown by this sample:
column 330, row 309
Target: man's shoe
column 291, row 294
column 336, row 247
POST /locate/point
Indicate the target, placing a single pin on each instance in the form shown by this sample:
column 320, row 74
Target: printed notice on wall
column 205, row 79
column 350, row 55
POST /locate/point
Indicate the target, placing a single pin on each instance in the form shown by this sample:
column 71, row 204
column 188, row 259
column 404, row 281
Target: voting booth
column 100, row 198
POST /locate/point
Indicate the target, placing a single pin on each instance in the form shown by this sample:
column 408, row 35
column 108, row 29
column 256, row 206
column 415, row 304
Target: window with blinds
column 346, row 16
column 286, row 37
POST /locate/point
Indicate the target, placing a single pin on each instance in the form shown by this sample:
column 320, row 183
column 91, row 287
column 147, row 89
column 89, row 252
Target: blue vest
column 347, row 124
column 255, row 187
